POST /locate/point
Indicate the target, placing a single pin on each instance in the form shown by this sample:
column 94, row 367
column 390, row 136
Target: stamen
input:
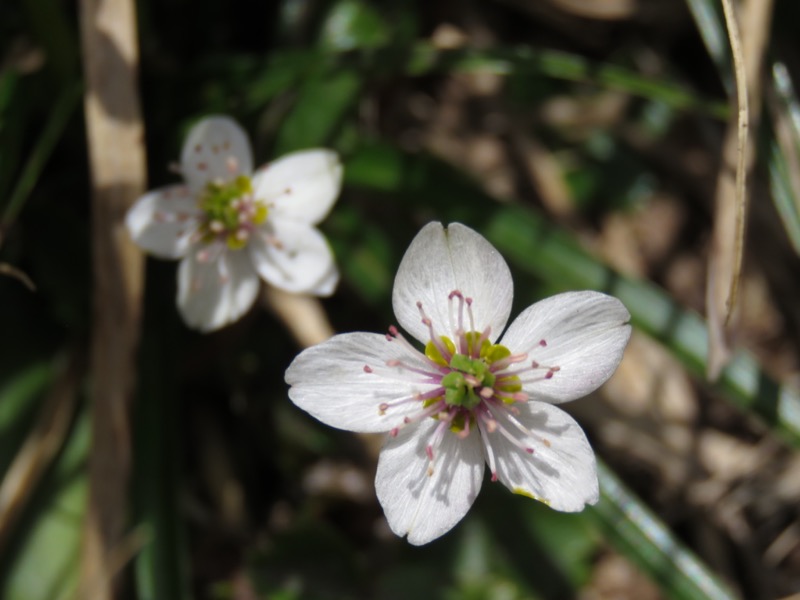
column 408, row 419
column 384, row 406
column 436, row 439
column 488, row 450
column 459, row 325
column 394, row 334
column 464, row 433
column 524, row 430
column 397, row 363
column 471, row 316
column 435, row 339
column 504, row 363
column 515, row 397
column 489, row 421
column 484, row 337
column 548, row 375
column 507, row 434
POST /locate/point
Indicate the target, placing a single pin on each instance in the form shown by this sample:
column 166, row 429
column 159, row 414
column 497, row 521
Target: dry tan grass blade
column 117, row 163
column 12, row 271
column 304, row 316
column 727, row 246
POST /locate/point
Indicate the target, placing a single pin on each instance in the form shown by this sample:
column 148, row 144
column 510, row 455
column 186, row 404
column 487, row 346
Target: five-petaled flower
column 467, row 399
column 230, row 225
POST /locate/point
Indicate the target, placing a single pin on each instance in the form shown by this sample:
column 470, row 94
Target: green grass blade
column 160, row 569
column 43, row 562
column 63, row 108
column 783, row 196
column 311, row 123
column 635, row 531
column 784, row 152
column 712, row 29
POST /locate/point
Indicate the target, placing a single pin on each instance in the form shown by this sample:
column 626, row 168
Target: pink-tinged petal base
column 215, row 286
column 344, row 381
column 561, row 471
column 162, row 221
column 425, row 500
column 216, row 149
column 292, row 256
column 581, row 334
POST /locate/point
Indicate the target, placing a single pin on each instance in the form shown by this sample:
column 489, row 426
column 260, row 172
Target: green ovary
column 230, row 211
column 470, row 373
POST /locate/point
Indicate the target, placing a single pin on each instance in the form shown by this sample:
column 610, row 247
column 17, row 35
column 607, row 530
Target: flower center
column 231, row 213
column 472, row 383
column 464, row 383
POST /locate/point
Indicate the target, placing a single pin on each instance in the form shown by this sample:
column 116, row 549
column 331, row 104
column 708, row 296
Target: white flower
column 230, row 225
column 466, row 399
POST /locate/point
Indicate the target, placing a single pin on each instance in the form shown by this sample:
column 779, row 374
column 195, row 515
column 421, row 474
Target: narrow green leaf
column 784, row 152
column 63, row 108
column 19, row 398
column 43, row 563
column 282, row 71
column 161, row 568
column 712, row 29
column 783, row 196
column 636, row 532
column 312, row 122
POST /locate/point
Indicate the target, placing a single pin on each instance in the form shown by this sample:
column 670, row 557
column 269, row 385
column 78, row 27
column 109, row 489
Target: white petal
column 292, row 256
column 439, row 261
column 330, row 383
column 302, row 186
column 585, row 335
column 162, row 221
column 563, row 475
column 216, row 149
column 327, row 285
column 421, row 505
column 217, row 291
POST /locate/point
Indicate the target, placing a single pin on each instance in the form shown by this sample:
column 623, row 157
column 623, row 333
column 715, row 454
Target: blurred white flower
column 230, row 225
column 466, row 400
